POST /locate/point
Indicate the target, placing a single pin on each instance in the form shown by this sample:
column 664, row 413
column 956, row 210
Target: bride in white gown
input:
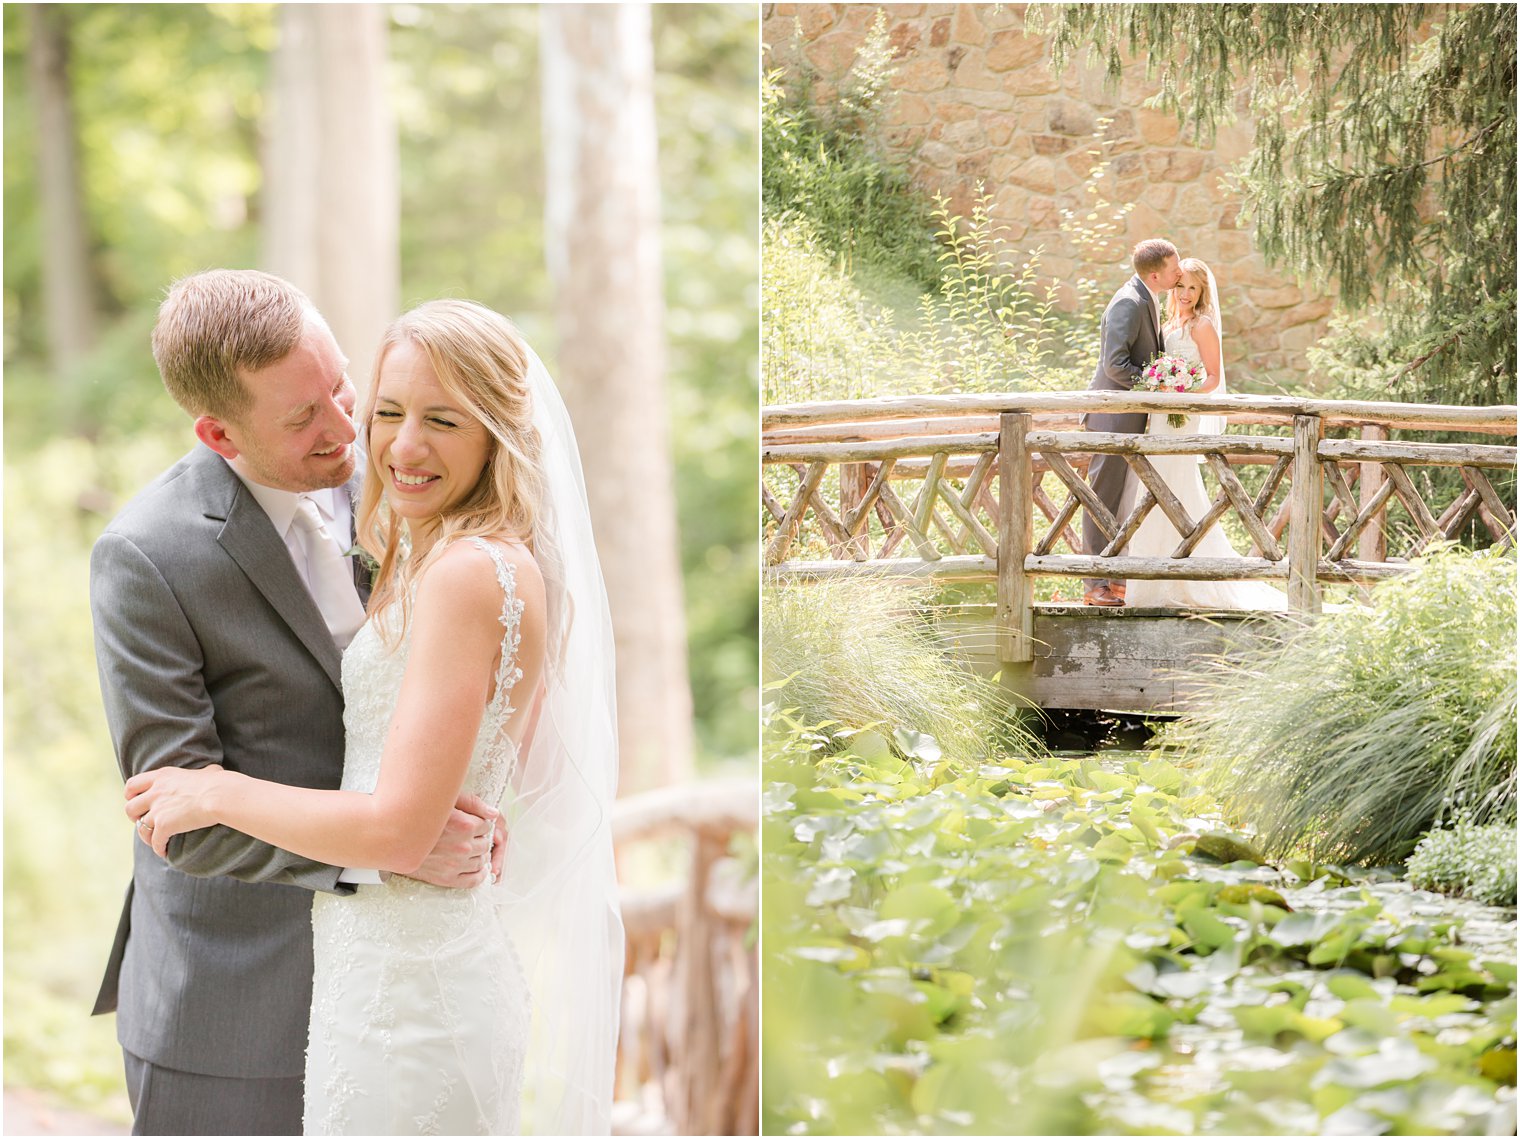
column 1193, row 332
column 485, row 665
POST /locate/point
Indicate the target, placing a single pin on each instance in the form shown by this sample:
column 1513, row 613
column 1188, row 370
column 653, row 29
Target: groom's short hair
column 1151, row 254
column 213, row 324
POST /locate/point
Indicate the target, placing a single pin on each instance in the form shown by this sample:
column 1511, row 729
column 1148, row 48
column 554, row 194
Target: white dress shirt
column 338, row 513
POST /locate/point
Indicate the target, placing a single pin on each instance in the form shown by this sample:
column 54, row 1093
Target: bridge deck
column 1121, row 659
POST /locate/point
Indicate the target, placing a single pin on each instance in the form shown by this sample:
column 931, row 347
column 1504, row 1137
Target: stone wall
column 976, row 100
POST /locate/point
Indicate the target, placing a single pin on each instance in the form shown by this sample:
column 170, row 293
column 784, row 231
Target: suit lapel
column 1155, row 315
column 250, row 540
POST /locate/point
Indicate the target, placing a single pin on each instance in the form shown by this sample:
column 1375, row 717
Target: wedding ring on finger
column 145, row 823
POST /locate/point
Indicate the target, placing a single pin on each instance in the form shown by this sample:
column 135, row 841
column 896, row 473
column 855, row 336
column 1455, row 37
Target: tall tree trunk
column 603, row 247
column 332, row 173
column 68, row 281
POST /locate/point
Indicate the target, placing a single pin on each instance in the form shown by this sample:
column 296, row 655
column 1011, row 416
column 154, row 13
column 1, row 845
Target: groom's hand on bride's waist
column 463, row 855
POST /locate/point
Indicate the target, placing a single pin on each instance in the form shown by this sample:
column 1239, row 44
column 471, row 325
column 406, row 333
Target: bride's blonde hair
column 481, row 360
column 1202, row 307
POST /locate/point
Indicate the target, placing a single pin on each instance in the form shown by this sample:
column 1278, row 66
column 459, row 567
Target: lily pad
column 1127, row 1014
column 1301, row 928
column 1350, row 986
column 930, row 904
column 1395, row 1061
column 1243, row 893
column 1207, row 930
column 1498, row 1064
column 1222, row 846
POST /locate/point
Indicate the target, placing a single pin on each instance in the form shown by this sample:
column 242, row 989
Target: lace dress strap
column 507, row 672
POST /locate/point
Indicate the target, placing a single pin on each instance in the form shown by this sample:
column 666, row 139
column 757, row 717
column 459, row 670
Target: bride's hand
column 172, row 800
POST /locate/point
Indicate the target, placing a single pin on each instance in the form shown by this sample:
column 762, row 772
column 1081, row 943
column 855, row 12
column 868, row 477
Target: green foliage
column 819, row 161
column 863, row 655
column 706, row 81
column 465, row 85
column 1030, row 947
column 1465, row 859
column 68, row 846
column 1384, row 159
column 1365, row 729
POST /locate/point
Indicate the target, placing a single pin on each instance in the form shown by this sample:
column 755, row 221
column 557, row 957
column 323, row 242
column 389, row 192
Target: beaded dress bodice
column 420, row 1010
column 372, row 675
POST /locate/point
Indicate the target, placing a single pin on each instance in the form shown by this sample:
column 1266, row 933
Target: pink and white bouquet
column 1172, row 374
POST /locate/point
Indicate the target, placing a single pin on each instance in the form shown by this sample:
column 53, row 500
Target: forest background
column 171, row 107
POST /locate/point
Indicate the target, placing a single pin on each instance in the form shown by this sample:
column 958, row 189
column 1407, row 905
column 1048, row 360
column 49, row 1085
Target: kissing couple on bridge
column 1170, row 307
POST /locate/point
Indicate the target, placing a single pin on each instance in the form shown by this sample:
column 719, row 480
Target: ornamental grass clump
column 1373, row 725
column 861, row 654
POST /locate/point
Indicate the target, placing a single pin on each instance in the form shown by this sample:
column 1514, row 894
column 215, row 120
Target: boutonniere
column 365, row 560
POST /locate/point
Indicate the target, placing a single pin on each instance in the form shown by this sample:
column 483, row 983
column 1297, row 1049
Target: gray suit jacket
column 1127, row 343
column 211, row 650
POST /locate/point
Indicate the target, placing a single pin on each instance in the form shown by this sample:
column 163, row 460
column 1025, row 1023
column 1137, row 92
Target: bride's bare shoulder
column 469, row 568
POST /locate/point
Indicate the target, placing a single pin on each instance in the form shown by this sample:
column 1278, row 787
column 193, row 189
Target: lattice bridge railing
column 955, row 487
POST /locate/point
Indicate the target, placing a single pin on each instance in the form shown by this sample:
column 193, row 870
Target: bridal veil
column 558, row 891
column 1214, row 424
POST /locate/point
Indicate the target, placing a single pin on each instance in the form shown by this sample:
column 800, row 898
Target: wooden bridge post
column 854, row 478
column 1372, row 545
column 1304, row 533
column 1015, row 594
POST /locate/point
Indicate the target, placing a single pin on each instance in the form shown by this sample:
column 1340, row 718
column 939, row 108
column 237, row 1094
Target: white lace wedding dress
column 1158, row 538
column 420, row 1011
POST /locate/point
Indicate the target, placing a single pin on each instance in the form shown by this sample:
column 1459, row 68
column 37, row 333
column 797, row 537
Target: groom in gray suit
column 1129, row 339
column 218, row 635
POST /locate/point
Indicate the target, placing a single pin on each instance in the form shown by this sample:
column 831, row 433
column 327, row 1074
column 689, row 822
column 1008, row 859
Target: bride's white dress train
column 1158, row 538
column 420, row 1010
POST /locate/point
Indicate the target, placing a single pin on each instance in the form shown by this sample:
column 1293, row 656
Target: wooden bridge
column 961, row 489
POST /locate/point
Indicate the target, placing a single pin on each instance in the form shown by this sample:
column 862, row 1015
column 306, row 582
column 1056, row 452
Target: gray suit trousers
column 169, row 1102
column 1106, row 475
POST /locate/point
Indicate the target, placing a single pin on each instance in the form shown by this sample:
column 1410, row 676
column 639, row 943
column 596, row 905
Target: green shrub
column 1369, row 727
column 819, row 161
column 1466, row 859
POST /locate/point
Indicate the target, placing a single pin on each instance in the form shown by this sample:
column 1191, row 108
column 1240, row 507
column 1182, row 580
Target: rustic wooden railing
column 688, row 1050
column 981, row 462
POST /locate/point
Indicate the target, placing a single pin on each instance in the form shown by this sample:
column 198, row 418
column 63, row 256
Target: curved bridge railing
column 955, row 487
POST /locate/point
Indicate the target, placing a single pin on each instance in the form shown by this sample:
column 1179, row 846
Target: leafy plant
column 1466, row 859
column 989, row 327
column 1369, row 727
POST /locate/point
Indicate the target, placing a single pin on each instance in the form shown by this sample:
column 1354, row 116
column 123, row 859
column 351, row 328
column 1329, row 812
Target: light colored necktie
column 328, row 575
